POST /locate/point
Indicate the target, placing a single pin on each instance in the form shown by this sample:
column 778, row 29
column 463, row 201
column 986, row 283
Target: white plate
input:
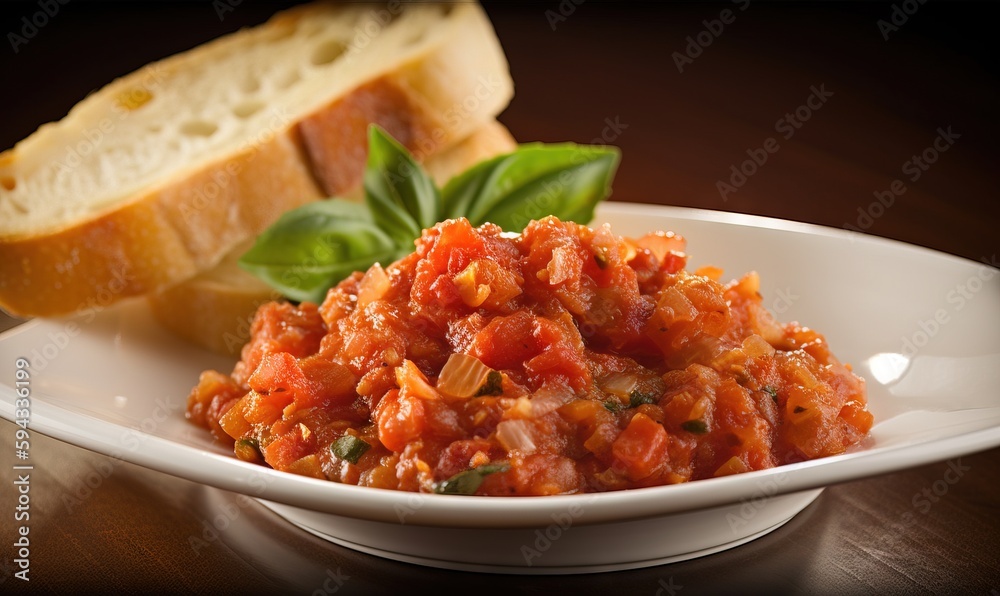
column 921, row 326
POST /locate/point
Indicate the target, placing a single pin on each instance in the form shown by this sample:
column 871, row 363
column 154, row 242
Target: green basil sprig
column 312, row 248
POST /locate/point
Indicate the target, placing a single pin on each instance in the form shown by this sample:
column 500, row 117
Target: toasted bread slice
column 215, row 308
column 154, row 178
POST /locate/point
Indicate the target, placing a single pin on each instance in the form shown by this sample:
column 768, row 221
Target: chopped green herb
column 493, row 384
column 770, row 390
column 349, row 448
column 467, row 482
column 697, row 427
column 637, row 398
column 613, row 406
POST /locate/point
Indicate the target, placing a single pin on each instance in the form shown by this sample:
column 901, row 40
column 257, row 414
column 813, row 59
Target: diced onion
column 234, row 422
column 703, row 349
column 484, row 283
column 803, row 375
column 373, row 285
column 462, row 376
column 700, row 407
column 764, row 324
column 564, row 265
column 734, row 465
column 521, row 408
column 413, row 382
column 515, row 435
column 467, row 281
column 306, row 466
column 549, row 398
column 756, row 346
column 680, row 307
column 621, row 385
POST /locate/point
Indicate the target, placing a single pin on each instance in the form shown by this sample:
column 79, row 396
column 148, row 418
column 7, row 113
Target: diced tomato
column 641, row 448
column 507, row 342
column 400, row 420
column 213, row 396
column 736, row 417
column 608, row 366
column 459, row 456
column 291, row 446
column 281, row 327
column 537, row 474
column 330, row 383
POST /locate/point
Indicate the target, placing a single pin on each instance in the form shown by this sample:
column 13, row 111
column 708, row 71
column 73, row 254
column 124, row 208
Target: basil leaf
column 493, row 384
column 312, row 248
column 349, row 448
column 401, row 196
column 566, row 180
column 695, row 427
column 638, row 398
column 467, row 482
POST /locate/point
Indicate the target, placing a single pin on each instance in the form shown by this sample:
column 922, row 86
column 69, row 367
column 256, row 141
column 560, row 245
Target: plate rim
column 225, row 472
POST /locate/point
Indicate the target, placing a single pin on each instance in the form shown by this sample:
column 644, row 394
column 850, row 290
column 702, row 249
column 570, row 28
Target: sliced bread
column 154, row 178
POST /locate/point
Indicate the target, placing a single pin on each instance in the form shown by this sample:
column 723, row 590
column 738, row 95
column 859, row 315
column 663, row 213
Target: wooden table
column 684, row 111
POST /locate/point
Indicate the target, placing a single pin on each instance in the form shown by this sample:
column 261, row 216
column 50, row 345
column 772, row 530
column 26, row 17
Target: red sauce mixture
column 562, row 360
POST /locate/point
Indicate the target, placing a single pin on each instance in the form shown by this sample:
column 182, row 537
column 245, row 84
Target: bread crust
column 171, row 232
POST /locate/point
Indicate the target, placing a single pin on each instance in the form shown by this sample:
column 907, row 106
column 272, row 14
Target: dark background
column 680, row 134
column 684, row 130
